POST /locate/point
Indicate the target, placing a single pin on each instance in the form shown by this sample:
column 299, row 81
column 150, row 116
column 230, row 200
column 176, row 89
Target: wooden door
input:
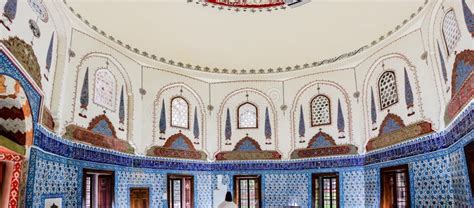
column 388, row 193
column 139, row 197
column 105, row 191
column 395, row 191
column 469, row 152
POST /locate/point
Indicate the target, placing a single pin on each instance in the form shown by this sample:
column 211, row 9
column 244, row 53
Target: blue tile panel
column 438, row 172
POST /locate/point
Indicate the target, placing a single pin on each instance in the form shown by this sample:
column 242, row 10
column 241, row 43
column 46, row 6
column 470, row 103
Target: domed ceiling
column 208, row 35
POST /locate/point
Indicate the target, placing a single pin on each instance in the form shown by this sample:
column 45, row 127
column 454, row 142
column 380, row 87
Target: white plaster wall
column 20, row 27
column 348, row 80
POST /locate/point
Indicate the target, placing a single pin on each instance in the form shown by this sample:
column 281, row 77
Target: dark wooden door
column 105, row 191
column 469, row 152
column 395, row 191
column 388, row 186
column 139, row 197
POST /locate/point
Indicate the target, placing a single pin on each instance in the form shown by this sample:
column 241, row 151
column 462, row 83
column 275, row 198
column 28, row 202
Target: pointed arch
column 222, row 109
column 295, row 113
column 119, row 73
column 158, row 112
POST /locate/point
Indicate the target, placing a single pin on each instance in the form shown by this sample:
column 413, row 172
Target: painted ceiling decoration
column 242, row 68
column 256, row 4
column 26, row 55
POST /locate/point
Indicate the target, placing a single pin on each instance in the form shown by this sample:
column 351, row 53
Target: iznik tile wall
column 432, row 182
column 353, row 186
column 286, row 189
column 438, row 177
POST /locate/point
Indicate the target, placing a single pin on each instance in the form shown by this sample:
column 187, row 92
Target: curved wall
column 427, row 57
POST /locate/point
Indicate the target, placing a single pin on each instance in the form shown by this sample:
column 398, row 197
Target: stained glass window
column 104, row 91
column 320, row 111
column 451, row 32
column 179, row 112
column 248, row 116
column 388, row 94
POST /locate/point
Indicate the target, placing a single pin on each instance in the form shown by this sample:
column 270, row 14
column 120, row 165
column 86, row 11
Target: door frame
column 396, row 169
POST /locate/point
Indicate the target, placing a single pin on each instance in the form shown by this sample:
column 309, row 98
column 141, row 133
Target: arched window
column 388, row 94
column 451, row 32
column 105, row 89
column 248, row 116
column 320, row 110
column 179, row 112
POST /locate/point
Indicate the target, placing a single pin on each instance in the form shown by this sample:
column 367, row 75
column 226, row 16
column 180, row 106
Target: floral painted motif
column 301, row 126
column 84, row 99
column 196, row 126
column 228, row 128
column 340, row 120
column 408, row 94
column 268, row 127
column 162, row 121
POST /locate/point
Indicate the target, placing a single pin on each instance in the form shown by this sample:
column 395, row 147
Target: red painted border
column 16, row 175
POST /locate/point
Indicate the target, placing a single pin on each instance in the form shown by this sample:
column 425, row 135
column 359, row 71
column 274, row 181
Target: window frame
column 171, row 112
column 443, row 33
column 311, row 110
column 114, row 100
column 468, row 155
column 380, row 91
column 236, row 181
column 140, row 189
column 91, row 173
column 169, row 180
column 396, row 169
column 256, row 115
column 318, row 176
